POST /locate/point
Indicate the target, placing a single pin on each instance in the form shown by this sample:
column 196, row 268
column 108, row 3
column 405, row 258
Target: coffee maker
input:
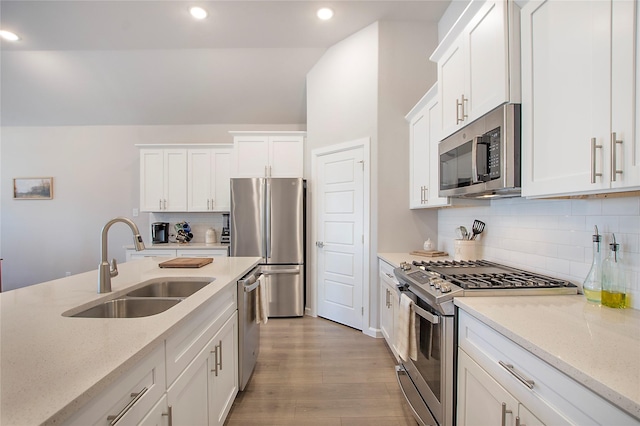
column 159, row 233
column 225, row 236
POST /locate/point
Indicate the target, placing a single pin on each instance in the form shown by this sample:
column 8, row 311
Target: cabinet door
column 224, row 375
column 221, row 163
column 623, row 122
column 286, row 156
column 158, row 415
column 188, row 396
column 565, row 95
column 199, row 180
column 527, row 418
column 151, row 179
column 252, row 155
column 451, row 86
column 433, row 199
column 487, row 55
column 175, row 180
column 419, row 157
column 481, row 400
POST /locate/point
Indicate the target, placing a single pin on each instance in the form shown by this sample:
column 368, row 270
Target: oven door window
column 429, row 344
column 456, row 167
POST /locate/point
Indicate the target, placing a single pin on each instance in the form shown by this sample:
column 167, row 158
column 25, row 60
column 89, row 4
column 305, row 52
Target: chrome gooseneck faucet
column 107, row 271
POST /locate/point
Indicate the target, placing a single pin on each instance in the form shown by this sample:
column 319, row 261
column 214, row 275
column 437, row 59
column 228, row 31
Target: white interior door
column 340, row 236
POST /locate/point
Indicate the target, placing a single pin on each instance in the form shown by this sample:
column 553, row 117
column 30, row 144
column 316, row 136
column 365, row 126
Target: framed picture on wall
column 38, row 188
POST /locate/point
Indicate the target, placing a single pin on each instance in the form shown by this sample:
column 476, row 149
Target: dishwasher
column 248, row 327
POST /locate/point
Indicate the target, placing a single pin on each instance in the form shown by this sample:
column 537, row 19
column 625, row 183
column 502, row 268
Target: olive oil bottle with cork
column 613, row 285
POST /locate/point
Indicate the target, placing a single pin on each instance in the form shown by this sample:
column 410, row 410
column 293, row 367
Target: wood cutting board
column 186, row 262
column 429, row 253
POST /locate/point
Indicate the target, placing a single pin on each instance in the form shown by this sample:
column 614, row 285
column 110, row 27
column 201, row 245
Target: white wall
column 552, row 237
column 362, row 88
column 405, row 75
column 95, row 171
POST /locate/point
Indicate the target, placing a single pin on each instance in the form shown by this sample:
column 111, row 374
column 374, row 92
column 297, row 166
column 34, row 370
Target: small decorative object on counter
column 210, row 236
column 427, row 244
column 183, row 231
column 613, row 286
column 592, row 286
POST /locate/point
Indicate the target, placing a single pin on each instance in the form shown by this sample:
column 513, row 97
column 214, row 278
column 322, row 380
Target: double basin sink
column 152, row 298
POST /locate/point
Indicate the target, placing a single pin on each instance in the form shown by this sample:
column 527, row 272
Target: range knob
column 405, row 266
column 445, row 288
column 437, row 285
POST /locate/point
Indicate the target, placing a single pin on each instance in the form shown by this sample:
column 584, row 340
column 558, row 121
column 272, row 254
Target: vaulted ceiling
column 140, row 62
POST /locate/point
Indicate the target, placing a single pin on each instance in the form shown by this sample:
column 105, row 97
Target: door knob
column 319, row 244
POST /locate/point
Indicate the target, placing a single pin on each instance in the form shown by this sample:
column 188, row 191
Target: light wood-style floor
column 312, row 371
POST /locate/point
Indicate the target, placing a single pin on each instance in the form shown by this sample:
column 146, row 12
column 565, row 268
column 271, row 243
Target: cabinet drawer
column 220, row 252
column 386, row 272
column 129, row 398
column 183, row 345
column 554, row 397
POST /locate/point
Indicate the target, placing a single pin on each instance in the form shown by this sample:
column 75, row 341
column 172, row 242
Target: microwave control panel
column 491, row 140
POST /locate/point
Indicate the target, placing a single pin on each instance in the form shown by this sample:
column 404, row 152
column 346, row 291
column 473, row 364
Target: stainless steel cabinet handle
column 208, row 201
column 213, row 204
column 518, row 422
column 594, row 146
column 165, row 203
column 169, row 415
column 220, row 349
column 160, row 204
column 464, row 113
column 510, row 368
column 319, row 244
column 426, row 195
column 214, row 352
column 458, row 105
column 614, row 159
column 265, row 172
column 136, row 396
column 386, row 290
column 504, row 413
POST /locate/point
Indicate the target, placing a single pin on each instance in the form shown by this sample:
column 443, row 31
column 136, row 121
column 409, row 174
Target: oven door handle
column 433, row 319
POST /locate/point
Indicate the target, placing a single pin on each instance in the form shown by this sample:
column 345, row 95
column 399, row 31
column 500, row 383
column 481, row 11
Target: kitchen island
column 52, row 365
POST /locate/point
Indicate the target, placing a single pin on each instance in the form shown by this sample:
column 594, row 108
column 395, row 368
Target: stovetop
column 438, row 282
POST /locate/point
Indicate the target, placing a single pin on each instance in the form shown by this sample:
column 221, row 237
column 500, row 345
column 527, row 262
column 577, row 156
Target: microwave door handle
column 474, row 159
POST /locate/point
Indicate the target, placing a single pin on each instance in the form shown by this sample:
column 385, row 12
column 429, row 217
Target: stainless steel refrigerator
column 268, row 220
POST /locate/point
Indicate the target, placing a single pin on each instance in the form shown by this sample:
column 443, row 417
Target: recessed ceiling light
column 8, row 35
column 325, row 13
column 198, row 12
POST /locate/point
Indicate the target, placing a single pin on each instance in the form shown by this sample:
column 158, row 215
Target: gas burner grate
column 453, row 263
column 499, row 281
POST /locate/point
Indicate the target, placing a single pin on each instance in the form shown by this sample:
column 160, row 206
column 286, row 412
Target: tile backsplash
column 199, row 223
column 552, row 237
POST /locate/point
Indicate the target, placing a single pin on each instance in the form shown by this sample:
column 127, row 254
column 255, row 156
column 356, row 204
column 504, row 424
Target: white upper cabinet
column 269, row 154
column 208, row 180
column 424, row 133
column 181, row 179
column 578, row 99
column 163, row 180
column 478, row 63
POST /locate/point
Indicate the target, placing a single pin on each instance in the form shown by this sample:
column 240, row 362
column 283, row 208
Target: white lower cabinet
column 482, row 401
column 388, row 304
column 129, row 398
column 190, row 379
column 493, row 370
column 212, row 252
column 204, row 392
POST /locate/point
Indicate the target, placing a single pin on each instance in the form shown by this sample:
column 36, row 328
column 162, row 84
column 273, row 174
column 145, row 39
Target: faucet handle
column 114, row 268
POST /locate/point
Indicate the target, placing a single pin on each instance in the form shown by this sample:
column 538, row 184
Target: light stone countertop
column 189, row 246
column 598, row 347
column 52, row 365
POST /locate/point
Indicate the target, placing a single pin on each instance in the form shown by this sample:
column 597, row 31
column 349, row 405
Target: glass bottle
column 592, row 286
column 613, row 285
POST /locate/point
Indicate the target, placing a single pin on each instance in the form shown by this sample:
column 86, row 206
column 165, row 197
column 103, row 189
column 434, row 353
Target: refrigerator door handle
column 268, row 219
column 281, row 271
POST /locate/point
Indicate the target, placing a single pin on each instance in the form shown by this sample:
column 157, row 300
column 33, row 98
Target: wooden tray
column 186, row 262
column 429, row 253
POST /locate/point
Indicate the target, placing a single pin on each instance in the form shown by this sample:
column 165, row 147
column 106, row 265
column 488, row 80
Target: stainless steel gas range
column 428, row 382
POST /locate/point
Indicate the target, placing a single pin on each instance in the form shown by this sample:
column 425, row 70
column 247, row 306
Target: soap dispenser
column 613, row 285
column 592, row 285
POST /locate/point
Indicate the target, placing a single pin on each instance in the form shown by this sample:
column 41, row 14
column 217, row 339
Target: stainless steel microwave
column 482, row 160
